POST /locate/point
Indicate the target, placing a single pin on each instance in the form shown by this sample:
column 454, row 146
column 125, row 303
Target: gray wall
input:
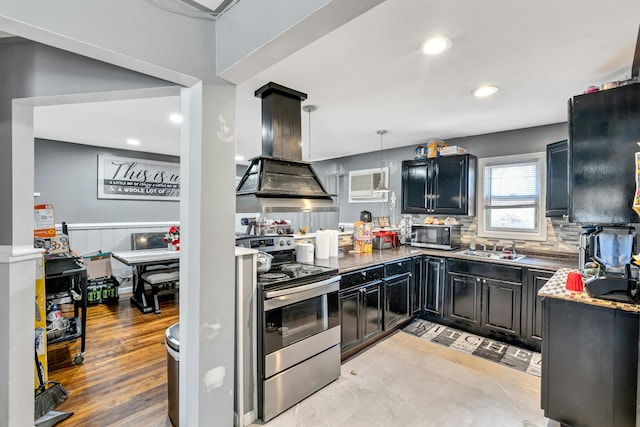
column 29, row 69
column 66, row 176
column 529, row 140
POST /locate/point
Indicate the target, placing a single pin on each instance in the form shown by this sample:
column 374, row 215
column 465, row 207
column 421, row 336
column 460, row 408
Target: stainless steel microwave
column 445, row 237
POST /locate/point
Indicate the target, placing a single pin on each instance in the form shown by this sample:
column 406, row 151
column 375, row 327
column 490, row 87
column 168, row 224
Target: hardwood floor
column 123, row 379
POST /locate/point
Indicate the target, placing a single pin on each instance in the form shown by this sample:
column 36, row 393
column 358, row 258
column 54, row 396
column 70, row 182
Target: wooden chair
column 158, row 279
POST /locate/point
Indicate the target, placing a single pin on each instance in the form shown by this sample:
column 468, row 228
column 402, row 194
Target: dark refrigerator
column 604, row 132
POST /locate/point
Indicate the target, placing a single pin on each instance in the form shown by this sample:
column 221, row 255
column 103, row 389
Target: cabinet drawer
column 397, row 267
column 361, row 277
column 488, row 270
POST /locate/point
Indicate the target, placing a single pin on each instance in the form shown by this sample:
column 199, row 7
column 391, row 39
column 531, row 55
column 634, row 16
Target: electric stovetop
column 291, row 274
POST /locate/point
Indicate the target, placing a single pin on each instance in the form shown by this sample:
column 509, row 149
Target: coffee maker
column 611, row 248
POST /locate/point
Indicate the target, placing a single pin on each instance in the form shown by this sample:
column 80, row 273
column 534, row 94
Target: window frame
column 541, row 233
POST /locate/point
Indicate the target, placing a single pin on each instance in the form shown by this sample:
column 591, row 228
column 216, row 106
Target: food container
column 304, row 252
column 610, row 85
column 384, row 239
column 362, row 244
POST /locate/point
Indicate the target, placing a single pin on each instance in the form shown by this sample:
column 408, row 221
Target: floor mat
column 509, row 355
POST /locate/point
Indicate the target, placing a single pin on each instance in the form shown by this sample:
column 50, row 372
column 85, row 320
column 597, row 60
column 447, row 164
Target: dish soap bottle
column 472, row 242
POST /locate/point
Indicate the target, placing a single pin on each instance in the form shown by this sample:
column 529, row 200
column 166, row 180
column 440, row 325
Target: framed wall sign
column 141, row 179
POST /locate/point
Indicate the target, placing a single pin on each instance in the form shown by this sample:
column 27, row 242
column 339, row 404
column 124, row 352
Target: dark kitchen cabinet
column 397, row 292
column 417, row 284
column 439, row 186
column 434, row 285
column 536, row 279
column 428, row 285
column 557, row 179
column 361, row 312
column 361, row 299
column 501, row 306
column 464, row 295
column 589, row 364
column 397, row 308
column 604, row 128
column 485, row 295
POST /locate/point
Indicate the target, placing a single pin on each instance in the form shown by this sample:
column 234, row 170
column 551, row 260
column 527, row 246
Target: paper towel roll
column 333, row 243
column 322, row 244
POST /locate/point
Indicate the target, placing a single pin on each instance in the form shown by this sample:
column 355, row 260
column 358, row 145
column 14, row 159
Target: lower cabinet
column 428, row 285
column 417, row 284
column 396, row 300
column 397, row 292
column 536, row 279
column 501, row 306
column 463, row 294
column 372, row 301
column 361, row 300
column 361, row 312
column 589, row 364
column 485, row 296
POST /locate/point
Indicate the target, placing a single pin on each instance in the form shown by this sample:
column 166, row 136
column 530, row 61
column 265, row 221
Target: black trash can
column 173, row 371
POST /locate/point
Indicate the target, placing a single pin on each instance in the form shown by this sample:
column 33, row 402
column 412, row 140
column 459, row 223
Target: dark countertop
column 348, row 262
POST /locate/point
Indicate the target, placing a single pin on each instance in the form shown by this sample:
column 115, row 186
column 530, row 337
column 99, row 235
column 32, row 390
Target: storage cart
column 66, row 283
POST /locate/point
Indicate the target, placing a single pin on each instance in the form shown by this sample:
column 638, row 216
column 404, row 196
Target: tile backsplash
column 563, row 237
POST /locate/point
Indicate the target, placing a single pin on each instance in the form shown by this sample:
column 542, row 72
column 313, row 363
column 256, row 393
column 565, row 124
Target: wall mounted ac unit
column 362, row 185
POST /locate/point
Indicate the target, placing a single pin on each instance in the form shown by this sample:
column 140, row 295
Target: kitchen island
column 589, row 357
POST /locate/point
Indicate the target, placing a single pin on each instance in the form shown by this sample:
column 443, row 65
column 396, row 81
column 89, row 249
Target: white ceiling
column 369, row 74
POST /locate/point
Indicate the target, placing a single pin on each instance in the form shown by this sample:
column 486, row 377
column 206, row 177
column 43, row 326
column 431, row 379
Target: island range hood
column 279, row 181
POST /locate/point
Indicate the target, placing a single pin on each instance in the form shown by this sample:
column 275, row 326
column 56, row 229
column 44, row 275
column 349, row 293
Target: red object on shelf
column 574, row 282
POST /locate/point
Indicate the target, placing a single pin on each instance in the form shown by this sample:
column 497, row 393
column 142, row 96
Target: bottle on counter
column 472, row 242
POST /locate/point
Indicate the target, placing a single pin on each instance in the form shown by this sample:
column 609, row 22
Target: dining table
column 141, row 261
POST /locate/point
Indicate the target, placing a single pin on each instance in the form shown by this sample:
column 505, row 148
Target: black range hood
column 279, row 181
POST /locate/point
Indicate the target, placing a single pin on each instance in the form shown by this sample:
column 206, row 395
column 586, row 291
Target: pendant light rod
column 382, row 188
column 309, row 109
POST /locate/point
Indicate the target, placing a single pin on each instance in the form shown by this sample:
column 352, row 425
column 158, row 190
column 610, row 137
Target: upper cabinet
column 557, row 179
column 604, row 131
column 439, row 186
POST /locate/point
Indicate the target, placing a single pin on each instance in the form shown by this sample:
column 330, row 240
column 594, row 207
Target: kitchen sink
column 489, row 255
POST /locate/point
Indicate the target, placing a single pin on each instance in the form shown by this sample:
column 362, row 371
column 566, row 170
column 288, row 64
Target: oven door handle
column 280, row 298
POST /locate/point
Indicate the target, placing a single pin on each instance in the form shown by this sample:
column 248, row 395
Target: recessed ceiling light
column 175, row 118
column 132, row 141
column 436, row 45
column 239, row 158
column 485, row 90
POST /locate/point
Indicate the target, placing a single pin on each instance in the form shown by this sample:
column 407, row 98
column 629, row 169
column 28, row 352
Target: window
column 511, row 202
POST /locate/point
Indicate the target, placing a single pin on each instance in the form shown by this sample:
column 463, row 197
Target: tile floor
column 407, row 381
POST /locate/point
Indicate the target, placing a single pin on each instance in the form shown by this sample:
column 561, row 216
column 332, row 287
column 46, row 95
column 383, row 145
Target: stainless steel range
column 298, row 324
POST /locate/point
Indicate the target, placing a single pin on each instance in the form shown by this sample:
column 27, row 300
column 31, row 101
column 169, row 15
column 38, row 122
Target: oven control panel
column 267, row 243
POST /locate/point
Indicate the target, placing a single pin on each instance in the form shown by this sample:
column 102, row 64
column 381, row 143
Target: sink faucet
column 495, row 246
column 484, row 247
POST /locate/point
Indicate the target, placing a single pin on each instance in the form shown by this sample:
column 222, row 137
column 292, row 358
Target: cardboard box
column 452, row 150
column 434, row 147
column 43, row 222
column 98, row 265
column 52, row 245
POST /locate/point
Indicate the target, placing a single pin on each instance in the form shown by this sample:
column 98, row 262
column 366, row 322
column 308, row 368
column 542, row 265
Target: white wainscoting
column 89, row 238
